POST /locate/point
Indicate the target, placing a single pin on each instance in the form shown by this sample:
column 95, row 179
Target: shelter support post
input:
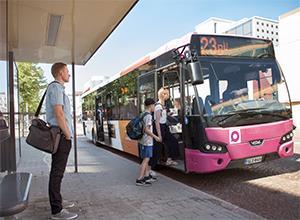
column 74, row 117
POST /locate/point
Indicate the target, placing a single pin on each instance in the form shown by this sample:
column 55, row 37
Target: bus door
column 171, row 81
column 99, row 118
column 107, row 116
column 194, row 110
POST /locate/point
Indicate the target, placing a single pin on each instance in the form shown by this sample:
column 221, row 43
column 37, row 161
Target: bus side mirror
column 196, row 72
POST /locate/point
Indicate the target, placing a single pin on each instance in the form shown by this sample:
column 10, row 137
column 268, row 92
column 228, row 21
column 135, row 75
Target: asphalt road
column 270, row 189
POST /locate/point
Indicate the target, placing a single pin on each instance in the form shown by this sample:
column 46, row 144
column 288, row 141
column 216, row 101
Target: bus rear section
column 245, row 114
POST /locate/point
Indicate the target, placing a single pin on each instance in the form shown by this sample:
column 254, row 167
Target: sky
column 152, row 23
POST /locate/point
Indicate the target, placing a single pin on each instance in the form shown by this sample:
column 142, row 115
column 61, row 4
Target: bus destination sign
column 211, row 45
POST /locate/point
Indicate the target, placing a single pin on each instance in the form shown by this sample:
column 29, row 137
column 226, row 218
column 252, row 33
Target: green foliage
column 32, row 82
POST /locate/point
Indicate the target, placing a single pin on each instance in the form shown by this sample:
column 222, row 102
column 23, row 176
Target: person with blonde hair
column 162, row 130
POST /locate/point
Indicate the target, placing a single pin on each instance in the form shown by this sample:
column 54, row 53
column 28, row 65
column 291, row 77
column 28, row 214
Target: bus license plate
column 253, row 160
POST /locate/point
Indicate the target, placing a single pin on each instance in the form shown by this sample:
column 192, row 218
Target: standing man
column 58, row 112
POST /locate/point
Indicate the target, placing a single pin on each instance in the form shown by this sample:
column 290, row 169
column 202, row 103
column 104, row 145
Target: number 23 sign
column 210, row 46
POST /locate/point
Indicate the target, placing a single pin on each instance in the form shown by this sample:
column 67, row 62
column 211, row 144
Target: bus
column 230, row 105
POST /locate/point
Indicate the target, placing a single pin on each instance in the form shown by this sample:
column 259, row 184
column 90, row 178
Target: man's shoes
column 67, row 204
column 64, row 214
column 142, row 182
column 150, row 178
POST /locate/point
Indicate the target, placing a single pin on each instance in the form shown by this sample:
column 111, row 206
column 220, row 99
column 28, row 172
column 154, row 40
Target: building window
column 267, row 31
column 271, row 25
column 276, row 26
column 262, row 37
column 262, row 24
column 276, row 40
column 257, row 22
column 257, row 30
column 215, row 27
column 276, row 33
column 257, row 35
column 272, row 32
column 262, row 30
column 267, row 25
column 272, row 39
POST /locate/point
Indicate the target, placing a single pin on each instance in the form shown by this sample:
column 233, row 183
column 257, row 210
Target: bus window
column 171, row 82
column 146, row 88
column 108, row 107
column 128, row 96
column 88, row 107
column 205, row 98
column 223, row 84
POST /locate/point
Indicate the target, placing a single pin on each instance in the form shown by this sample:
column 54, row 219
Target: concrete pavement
column 105, row 188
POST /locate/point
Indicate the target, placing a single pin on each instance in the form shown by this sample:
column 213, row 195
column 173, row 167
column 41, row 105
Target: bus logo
column 256, row 142
column 234, row 136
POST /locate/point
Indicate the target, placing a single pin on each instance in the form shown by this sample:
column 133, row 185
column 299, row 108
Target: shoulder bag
column 42, row 135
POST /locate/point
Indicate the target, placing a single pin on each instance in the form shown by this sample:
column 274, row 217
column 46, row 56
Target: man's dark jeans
column 58, row 166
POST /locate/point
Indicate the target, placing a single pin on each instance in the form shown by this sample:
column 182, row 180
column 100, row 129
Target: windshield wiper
column 265, row 55
column 248, row 110
column 271, row 114
column 236, row 112
column 225, row 117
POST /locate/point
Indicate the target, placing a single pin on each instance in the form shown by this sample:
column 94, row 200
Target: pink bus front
column 240, row 114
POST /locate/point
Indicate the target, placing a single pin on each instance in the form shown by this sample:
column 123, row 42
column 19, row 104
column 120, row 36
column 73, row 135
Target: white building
column 259, row 27
column 289, row 56
column 214, row 25
column 78, row 102
column 256, row 27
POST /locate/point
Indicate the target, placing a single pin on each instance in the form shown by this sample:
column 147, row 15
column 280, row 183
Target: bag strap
column 42, row 100
column 143, row 115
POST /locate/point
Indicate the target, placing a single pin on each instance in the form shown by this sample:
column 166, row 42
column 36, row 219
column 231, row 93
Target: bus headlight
column 287, row 137
column 213, row 148
column 207, row 147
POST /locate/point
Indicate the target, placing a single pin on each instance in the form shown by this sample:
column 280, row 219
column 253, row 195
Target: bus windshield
column 242, row 92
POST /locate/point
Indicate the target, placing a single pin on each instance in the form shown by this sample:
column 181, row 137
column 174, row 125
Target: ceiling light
column 53, row 27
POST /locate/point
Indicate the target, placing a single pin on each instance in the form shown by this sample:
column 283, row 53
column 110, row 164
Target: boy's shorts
column 146, row 151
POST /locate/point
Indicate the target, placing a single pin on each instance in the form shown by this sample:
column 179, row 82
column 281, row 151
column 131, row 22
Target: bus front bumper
column 199, row 162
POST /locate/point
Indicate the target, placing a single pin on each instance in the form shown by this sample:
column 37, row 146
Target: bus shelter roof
column 70, row 31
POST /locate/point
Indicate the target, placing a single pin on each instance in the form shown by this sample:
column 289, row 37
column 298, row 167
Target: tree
column 31, row 82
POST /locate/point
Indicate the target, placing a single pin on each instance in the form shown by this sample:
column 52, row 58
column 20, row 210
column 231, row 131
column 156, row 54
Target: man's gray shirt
column 56, row 96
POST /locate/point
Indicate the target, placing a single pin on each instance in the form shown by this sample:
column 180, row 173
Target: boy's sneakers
column 142, row 182
column 150, row 178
